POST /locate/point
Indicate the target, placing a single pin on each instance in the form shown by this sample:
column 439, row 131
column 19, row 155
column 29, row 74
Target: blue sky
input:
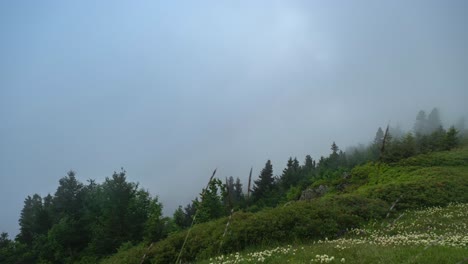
column 169, row 90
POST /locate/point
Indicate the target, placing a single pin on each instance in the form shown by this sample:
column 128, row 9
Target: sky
column 171, row 90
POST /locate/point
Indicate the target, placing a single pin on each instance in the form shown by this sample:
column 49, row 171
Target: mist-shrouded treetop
column 420, row 126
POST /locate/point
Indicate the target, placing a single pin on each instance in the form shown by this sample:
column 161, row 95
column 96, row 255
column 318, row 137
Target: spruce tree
column 265, row 182
column 334, row 148
column 238, row 194
column 451, row 139
column 433, row 121
column 308, row 164
column 420, row 124
column 379, row 135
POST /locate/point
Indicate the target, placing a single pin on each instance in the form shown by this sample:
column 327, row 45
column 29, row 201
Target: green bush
column 294, row 222
column 458, row 157
column 123, row 255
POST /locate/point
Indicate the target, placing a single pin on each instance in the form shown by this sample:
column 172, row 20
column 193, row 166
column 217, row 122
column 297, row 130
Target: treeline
column 82, row 223
column 269, row 190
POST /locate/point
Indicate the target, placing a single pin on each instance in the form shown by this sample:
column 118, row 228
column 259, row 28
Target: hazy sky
column 171, row 90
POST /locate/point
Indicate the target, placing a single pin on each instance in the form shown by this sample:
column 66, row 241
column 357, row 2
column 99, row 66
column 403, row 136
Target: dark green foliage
column 408, row 146
column 451, row 139
column 126, row 214
column 211, row 204
column 298, row 221
column 28, row 218
column 82, row 223
column 309, row 164
column 190, row 211
column 181, row 219
column 14, row 252
column 68, row 199
column 147, row 212
column 265, row 191
column 65, row 239
column 401, row 148
column 238, row 194
column 234, row 194
column 291, row 174
column 6, row 248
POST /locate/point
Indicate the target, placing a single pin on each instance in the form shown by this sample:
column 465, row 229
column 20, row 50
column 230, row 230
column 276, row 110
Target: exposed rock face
column 311, row 194
column 346, row 175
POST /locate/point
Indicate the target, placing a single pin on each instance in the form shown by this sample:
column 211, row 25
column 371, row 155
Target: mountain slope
column 373, row 191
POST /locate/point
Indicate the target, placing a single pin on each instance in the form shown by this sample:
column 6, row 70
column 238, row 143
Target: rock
column 346, row 175
column 311, row 194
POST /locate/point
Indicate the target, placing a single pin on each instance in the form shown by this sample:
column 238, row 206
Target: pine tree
column 333, row 161
column 334, row 148
column 230, row 185
column 68, row 199
column 115, row 224
column 33, row 221
column 180, row 218
column 265, row 182
column 433, row 121
column 287, row 176
column 149, row 221
column 379, row 135
column 291, row 174
column 309, row 164
column 408, row 146
column 420, row 124
column 190, row 210
column 451, row 139
column 295, row 165
column 238, row 194
column 211, row 204
column 437, row 139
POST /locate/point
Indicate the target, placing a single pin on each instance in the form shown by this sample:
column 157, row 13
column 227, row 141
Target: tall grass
column 194, row 219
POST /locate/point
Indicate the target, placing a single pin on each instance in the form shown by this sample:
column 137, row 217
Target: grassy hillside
column 432, row 235
column 374, row 191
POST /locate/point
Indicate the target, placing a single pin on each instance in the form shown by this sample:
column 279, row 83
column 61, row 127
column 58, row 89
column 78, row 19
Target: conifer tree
column 68, row 198
column 308, row 163
column 379, row 135
column 265, row 182
column 451, row 139
column 26, row 221
column 211, row 204
column 180, row 218
column 238, row 194
column 334, row 148
column 433, row 121
column 420, row 124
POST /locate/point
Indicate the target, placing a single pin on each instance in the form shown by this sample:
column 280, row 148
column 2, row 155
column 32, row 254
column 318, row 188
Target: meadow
column 430, row 235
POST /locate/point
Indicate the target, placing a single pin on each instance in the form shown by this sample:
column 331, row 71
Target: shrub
column 294, row 222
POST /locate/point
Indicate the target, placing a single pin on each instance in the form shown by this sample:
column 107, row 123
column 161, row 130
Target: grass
column 431, row 235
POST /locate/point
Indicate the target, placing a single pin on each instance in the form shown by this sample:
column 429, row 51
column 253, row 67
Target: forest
column 86, row 222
